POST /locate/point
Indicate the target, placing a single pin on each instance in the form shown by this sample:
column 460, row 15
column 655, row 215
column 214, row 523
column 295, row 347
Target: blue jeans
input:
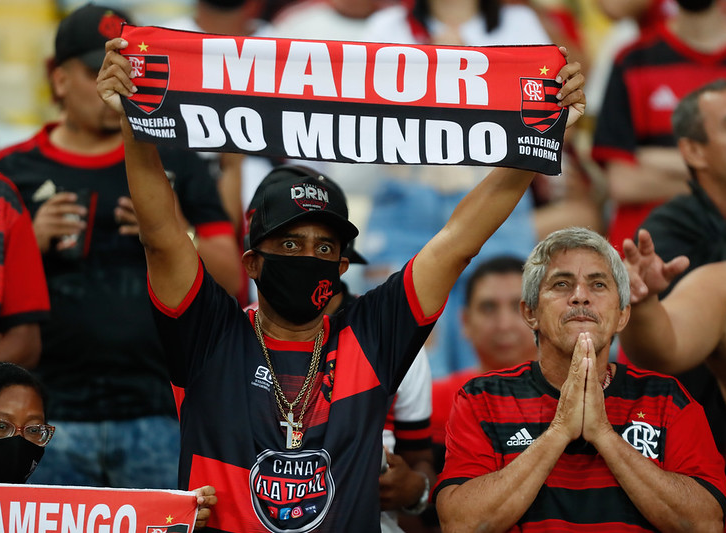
column 404, row 217
column 135, row 453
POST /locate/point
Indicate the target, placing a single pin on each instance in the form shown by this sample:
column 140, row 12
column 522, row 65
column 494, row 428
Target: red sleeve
column 691, row 450
column 24, row 289
column 214, row 229
column 188, row 299
column 421, row 319
column 469, row 451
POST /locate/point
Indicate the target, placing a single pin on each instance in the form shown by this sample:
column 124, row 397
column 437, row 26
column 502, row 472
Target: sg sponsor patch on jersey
column 292, row 491
column 263, row 379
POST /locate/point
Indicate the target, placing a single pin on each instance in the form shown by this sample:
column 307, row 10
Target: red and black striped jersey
column 23, row 290
column 647, row 80
column 102, row 358
column 231, row 433
column 498, row 415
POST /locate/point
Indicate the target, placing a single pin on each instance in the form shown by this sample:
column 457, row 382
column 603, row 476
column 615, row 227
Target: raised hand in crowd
column 649, row 274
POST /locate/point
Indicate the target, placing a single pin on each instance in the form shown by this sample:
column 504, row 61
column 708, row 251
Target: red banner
column 347, row 101
column 47, row 509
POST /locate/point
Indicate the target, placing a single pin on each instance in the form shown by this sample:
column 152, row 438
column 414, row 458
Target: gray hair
column 571, row 239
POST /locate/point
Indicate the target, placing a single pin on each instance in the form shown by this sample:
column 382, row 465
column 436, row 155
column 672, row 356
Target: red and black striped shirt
column 497, row 416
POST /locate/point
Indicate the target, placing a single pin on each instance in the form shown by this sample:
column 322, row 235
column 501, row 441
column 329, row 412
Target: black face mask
column 298, row 288
column 694, row 6
column 18, row 459
column 226, row 4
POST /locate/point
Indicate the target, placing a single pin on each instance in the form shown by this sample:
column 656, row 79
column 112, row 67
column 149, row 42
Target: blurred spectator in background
column 102, row 360
column 633, row 136
column 226, row 17
column 23, row 290
column 339, row 20
column 494, row 325
column 646, row 13
column 694, row 225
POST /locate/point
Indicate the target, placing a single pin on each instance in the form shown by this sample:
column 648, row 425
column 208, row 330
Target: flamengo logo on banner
column 59, row 509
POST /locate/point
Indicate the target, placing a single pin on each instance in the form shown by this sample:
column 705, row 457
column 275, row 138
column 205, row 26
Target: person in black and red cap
column 284, row 452
column 101, row 356
column 407, row 434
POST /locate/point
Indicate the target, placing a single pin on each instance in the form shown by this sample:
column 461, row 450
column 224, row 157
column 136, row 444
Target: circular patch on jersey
column 292, row 491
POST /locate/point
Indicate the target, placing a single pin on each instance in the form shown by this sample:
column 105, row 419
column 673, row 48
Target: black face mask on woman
column 298, row 287
column 18, row 459
column 694, row 6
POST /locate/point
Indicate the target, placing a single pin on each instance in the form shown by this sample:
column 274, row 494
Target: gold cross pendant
column 294, row 435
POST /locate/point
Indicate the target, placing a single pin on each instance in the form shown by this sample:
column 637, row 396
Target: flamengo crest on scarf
column 347, row 102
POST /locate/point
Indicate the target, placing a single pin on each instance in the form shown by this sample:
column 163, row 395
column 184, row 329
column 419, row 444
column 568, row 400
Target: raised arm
column 681, row 331
column 479, row 214
column 171, row 259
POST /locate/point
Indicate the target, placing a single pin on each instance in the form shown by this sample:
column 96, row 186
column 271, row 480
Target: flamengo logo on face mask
column 322, row 293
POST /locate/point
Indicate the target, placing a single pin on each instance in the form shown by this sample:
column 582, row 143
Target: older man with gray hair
column 571, row 440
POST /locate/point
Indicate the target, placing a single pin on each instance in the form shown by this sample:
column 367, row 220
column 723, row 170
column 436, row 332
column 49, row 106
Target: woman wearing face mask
column 23, row 431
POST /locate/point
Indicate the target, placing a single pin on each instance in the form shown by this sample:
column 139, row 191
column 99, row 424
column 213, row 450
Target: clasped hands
column 581, row 408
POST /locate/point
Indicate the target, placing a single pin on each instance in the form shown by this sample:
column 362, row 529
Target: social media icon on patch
column 272, row 511
column 297, row 512
column 285, row 513
column 311, row 508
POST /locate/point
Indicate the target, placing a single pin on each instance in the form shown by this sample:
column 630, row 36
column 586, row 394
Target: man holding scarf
column 284, row 406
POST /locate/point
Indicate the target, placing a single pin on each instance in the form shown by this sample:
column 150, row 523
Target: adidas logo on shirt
column 663, row 99
column 520, row 438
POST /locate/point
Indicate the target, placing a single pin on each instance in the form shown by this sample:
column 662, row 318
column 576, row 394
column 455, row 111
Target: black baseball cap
column 290, row 193
column 84, row 32
column 353, row 255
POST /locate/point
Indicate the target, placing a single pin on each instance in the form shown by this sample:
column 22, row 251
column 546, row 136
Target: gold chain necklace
column 294, row 429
